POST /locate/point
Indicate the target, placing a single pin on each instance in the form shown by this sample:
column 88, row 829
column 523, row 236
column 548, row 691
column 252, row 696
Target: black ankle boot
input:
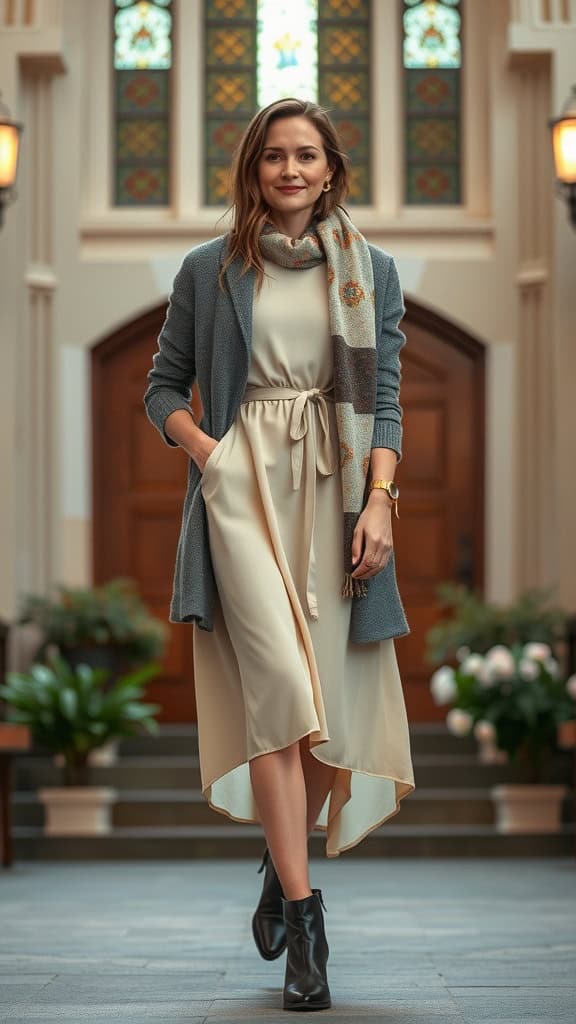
column 306, row 984
column 268, row 926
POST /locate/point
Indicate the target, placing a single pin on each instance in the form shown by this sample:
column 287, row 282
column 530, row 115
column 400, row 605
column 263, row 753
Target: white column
column 30, row 55
column 536, row 539
column 562, row 327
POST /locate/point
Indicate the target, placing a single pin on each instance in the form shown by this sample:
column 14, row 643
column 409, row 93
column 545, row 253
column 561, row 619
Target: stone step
column 182, row 740
column 180, row 807
column 246, row 841
column 178, row 772
column 153, row 807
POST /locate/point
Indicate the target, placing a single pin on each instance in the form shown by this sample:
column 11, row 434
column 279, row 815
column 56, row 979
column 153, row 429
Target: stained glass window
column 142, row 66
column 287, row 47
column 432, row 55
column 260, row 50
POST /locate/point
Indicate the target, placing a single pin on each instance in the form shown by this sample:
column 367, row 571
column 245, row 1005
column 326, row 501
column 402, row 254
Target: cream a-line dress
column 279, row 664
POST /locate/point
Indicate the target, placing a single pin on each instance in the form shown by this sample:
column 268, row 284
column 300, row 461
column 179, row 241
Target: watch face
column 393, row 491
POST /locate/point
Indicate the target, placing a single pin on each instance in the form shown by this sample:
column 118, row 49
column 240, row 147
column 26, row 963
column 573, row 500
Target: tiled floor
column 418, row 942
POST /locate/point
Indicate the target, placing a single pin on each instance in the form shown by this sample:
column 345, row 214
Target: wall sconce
column 564, row 144
column 10, row 132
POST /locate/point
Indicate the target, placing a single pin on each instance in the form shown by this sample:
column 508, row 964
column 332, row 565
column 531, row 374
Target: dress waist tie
column 320, row 459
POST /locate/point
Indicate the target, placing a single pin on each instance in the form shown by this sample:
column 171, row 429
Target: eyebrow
column 281, row 148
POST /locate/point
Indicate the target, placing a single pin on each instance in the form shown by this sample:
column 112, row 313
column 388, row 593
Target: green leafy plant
column 513, row 696
column 480, row 625
column 70, row 711
column 109, row 615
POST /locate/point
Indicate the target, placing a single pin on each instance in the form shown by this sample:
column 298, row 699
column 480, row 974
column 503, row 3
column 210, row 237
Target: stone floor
column 411, row 942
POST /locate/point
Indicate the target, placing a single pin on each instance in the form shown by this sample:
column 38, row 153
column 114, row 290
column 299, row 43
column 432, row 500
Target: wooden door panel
column 440, row 479
column 139, row 485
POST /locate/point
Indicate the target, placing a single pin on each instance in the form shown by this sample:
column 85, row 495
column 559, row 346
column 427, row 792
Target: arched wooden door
column 440, row 535
column 139, row 485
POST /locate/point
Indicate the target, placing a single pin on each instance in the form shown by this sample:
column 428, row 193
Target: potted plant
column 473, row 623
column 516, row 696
column 106, row 626
column 70, row 710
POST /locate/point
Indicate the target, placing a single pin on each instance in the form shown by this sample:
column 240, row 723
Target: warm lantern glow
column 564, row 145
column 564, row 142
column 9, row 142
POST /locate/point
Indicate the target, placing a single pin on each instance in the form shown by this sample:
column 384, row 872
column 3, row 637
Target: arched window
column 142, row 41
column 257, row 51
column 432, row 58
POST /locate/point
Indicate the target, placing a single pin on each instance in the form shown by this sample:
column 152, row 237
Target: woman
column 289, row 324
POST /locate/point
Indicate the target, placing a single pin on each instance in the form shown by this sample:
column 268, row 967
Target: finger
column 371, row 566
column 357, row 545
column 366, row 567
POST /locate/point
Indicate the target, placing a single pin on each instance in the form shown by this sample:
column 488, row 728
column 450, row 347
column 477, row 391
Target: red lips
column 290, row 188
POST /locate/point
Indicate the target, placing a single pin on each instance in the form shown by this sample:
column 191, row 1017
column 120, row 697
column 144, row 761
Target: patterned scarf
column 353, row 331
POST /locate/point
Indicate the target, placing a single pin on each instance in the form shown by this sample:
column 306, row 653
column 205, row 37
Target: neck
column 291, row 224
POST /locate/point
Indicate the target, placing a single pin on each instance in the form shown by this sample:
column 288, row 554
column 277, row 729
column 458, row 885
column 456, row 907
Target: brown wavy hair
column 250, row 210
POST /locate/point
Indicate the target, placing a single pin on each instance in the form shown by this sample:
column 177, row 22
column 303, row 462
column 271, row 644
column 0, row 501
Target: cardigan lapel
column 242, row 293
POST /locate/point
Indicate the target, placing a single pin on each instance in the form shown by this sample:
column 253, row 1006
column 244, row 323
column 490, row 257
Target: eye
column 308, row 156
column 271, row 156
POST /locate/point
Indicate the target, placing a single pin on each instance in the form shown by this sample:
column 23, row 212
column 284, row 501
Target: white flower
column 528, row 668
column 484, row 730
column 462, row 653
column 551, row 665
column 571, row 686
column 442, row 685
column 472, row 665
column 500, row 662
column 537, row 651
column 459, row 722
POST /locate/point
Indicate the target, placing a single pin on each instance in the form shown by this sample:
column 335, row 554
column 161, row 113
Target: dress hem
column 320, row 828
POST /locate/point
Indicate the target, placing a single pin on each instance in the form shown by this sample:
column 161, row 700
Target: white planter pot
column 528, row 808
column 77, row 810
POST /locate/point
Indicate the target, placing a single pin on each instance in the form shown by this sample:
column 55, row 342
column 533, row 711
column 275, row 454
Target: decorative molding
column 142, row 224
column 33, row 31
column 38, row 479
column 41, row 278
column 532, row 275
column 536, row 554
column 18, row 15
column 544, row 14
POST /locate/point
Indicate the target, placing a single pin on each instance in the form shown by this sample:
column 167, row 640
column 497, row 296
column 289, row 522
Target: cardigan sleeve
column 388, row 416
column 173, row 372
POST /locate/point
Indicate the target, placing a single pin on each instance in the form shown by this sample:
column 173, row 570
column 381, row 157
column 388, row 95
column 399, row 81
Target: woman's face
column 292, row 167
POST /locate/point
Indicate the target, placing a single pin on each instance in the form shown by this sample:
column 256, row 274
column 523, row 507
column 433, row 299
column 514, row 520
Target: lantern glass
column 9, row 143
column 564, row 142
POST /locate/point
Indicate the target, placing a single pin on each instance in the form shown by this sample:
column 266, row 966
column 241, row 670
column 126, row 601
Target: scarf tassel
column 353, row 587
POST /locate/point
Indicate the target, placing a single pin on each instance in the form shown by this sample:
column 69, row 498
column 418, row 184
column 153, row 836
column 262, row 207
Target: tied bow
column 299, row 425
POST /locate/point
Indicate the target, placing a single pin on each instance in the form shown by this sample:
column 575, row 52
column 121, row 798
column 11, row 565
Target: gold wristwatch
column 391, row 488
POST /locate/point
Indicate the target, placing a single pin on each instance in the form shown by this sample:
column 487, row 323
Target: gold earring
column 324, row 189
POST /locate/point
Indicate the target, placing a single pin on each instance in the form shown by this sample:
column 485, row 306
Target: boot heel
column 268, row 926
column 306, row 983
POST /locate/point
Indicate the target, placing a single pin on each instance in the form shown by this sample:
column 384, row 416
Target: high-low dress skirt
column 279, row 664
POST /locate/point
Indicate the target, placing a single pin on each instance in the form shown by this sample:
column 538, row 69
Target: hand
column 372, row 540
column 200, row 455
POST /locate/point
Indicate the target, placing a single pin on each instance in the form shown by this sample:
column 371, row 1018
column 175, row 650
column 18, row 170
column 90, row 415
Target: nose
column 290, row 171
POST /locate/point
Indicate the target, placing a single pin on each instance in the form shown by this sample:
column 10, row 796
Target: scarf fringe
column 353, row 587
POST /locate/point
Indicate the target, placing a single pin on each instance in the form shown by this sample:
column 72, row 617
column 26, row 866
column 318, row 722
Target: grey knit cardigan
column 206, row 337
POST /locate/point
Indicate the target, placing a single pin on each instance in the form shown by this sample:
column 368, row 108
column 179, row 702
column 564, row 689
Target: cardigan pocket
column 213, row 458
